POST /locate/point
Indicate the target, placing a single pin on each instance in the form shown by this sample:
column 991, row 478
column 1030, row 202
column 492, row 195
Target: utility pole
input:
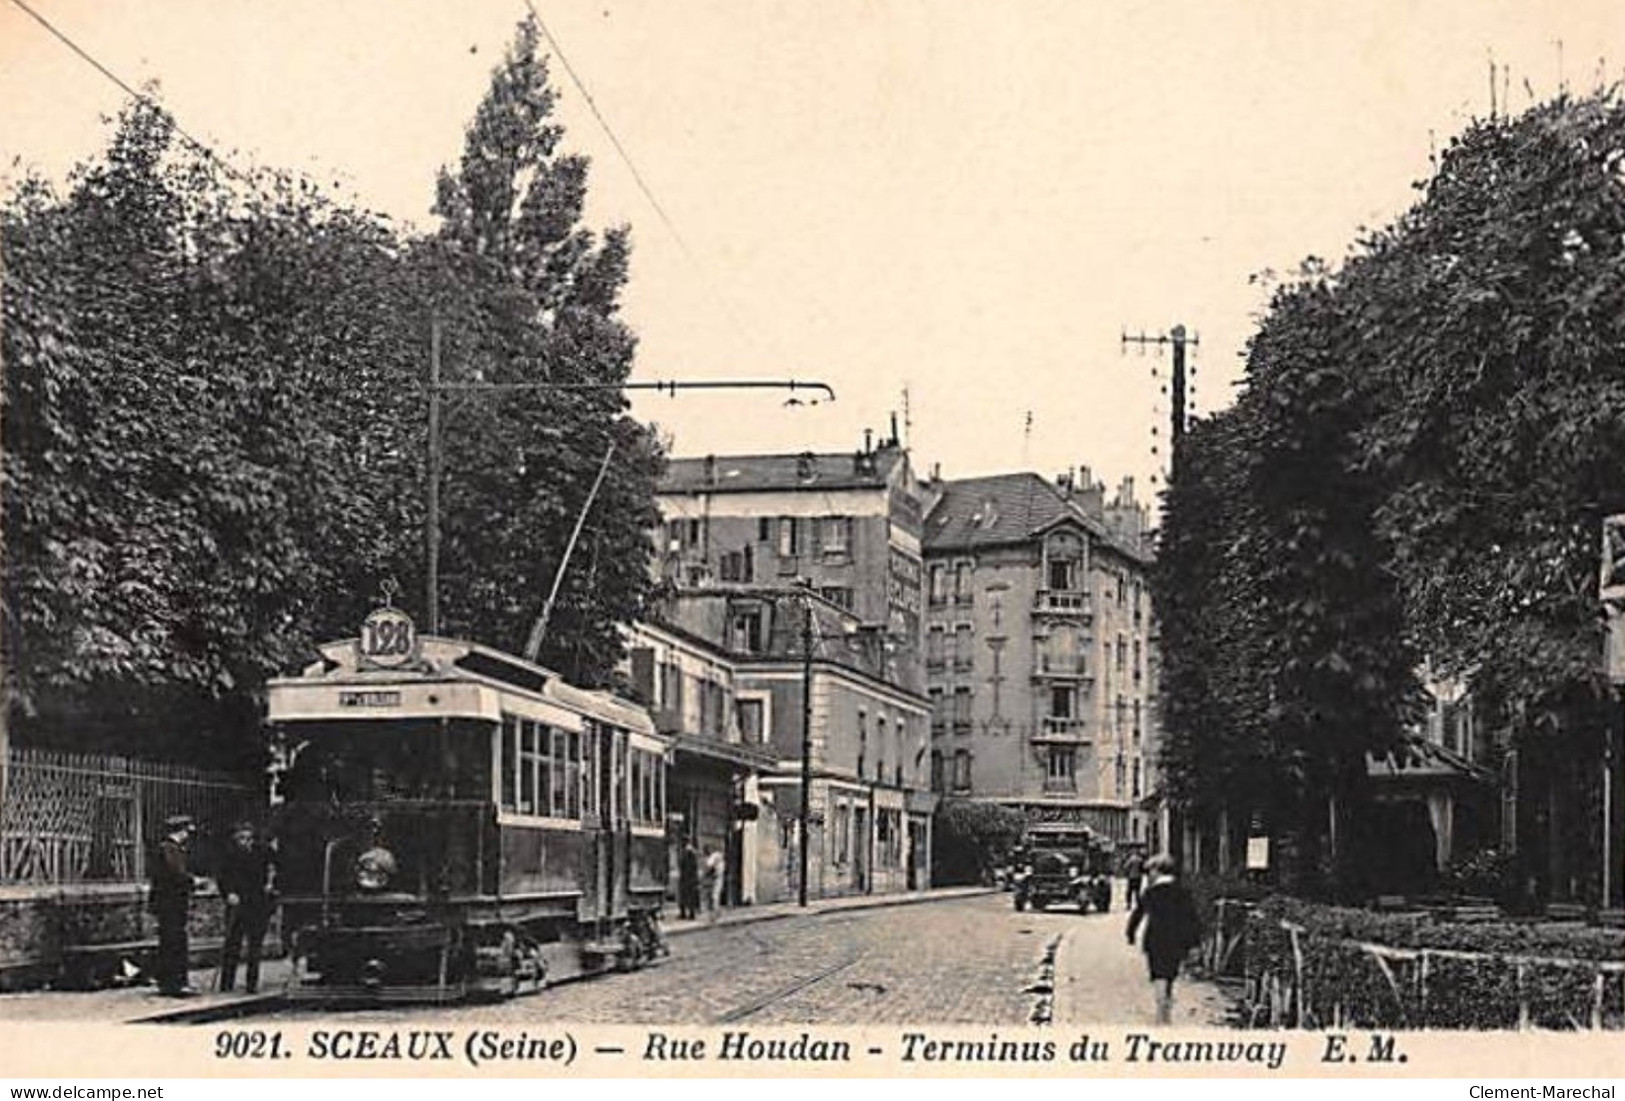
column 806, row 741
column 432, row 597
column 1176, row 338
column 6, row 657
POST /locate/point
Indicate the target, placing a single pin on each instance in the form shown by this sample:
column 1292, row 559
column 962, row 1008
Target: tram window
column 572, row 775
column 646, row 788
column 637, row 786
column 652, row 767
column 527, row 774
column 510, row 760
column 589, row 776
column 534, row 773
column 546, row 781
column 561, row 776
column 622, row 780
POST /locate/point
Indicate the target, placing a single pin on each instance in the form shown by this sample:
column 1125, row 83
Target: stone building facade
column 766, row 554
column 1038, row 652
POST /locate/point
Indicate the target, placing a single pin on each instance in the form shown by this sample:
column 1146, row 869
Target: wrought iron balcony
column 1057, row 668
column 1060, row 728
column 1058, row 602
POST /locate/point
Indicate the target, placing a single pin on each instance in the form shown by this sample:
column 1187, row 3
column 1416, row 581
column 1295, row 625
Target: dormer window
column 806, row 466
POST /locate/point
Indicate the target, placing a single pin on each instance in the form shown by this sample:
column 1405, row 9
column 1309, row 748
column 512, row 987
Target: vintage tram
column 457, row 822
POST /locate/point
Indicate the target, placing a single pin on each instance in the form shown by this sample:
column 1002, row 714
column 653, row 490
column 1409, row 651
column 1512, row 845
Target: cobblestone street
column 966, row 961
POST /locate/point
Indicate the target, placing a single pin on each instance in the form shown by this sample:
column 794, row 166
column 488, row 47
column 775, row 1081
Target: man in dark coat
column 1134, row 872
column 245, row 886
column 171, row 900
column 1172, row 929
column 688, row 881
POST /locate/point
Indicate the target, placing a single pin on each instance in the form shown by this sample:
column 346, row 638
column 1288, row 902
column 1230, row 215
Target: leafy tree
column 530, row 297
column 1417, row 466
column 177, row 442
column 969, row 838
column 215, row 423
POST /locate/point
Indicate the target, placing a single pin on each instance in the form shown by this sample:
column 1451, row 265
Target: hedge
column 1315, row 966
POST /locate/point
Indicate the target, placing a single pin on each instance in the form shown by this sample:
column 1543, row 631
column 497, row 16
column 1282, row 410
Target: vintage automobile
column 1064, row 864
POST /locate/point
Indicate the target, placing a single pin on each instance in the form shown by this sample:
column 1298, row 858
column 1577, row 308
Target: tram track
column 756, row 1005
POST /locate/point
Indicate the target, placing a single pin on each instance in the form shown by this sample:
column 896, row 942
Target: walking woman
column 1171, row 929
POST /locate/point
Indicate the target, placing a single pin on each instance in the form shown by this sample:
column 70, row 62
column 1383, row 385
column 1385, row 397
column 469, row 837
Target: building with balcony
column 761, row 552
column 1038, row 657
column 847, row 525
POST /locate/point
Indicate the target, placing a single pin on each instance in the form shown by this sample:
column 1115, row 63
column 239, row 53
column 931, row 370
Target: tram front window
column 386, row 809
column 390, row 764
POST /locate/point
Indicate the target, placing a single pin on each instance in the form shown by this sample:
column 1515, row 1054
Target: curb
column 831, row 906
column 214, row 1011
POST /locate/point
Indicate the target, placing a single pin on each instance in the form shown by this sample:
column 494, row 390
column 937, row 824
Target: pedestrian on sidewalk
column 688, row 881
column 711, row 878
column 1172, row 929
column 245, row 877
column 1134, row 872
column 171, row 903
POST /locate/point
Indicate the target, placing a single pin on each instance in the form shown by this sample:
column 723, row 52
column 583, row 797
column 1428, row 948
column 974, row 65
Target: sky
column 964, row 203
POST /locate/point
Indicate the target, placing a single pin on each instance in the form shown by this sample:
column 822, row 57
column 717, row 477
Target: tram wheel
column 496, row 968
column 631, row 954
column 508, row 964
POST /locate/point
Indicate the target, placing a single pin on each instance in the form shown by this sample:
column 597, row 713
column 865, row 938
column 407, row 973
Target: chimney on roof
column 1090, row 495
column 868, row 440
column 1063, row 482
column 1126, row 518
column 895, row 442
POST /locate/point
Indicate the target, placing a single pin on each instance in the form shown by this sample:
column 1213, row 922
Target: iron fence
column 86, row 818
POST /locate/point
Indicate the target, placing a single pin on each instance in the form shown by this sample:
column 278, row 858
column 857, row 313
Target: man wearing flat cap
column 244, row 880
column 171, row 899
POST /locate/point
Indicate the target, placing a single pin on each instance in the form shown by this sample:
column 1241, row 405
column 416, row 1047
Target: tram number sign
column 388, row 638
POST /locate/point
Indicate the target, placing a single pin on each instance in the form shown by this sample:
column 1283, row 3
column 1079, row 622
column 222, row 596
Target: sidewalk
column 772, row 911
column 1101, row 979
column 136, row 1003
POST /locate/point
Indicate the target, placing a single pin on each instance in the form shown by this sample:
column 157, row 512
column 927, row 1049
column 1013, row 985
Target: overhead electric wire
column 729, row 312
column 609, row 131
column 196, row 143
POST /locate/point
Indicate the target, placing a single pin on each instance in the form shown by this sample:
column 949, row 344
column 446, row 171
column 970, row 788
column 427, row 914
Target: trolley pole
column 806, row 742
column 438, row 389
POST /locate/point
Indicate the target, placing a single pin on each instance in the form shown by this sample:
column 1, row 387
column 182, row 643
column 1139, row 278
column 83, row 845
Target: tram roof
column 444, row 659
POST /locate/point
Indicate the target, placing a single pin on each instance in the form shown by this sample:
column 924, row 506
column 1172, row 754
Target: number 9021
column 240, row 1044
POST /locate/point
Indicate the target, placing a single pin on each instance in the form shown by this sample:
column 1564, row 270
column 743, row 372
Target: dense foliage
column 215, row 421
column 1416, row 467
column 1478, row 975
column 969, row 839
